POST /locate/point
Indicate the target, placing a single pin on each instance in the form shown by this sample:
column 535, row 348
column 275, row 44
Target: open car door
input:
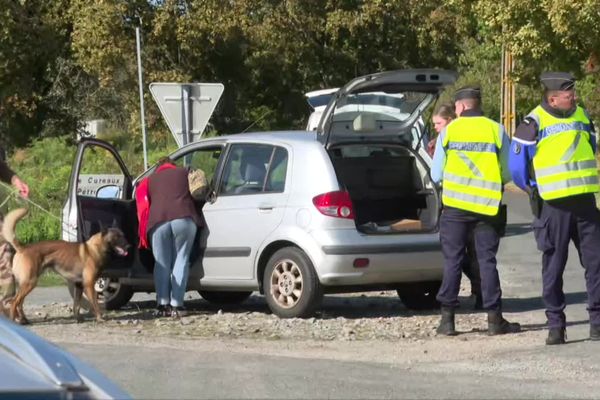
column 99, row 197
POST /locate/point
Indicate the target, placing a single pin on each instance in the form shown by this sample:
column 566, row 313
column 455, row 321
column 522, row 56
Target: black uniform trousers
column 455, row 228
column 470, row 267
column 573, row 218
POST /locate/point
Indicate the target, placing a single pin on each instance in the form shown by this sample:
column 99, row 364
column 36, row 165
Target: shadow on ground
column 338, row 306
column 333, row 306
column 517, row 229
column 524, row 304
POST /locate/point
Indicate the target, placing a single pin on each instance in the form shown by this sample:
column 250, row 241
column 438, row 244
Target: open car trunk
column 390, row 187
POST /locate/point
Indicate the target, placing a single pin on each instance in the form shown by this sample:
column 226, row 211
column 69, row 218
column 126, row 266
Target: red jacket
column 142, row 202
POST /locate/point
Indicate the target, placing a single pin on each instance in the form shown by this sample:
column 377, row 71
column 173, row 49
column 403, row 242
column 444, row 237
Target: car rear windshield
column 396, row 106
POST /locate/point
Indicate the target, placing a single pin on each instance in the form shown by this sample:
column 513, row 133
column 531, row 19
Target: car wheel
column 291, row 285
column 112, row 295
column 224, row 297
column 420, row 296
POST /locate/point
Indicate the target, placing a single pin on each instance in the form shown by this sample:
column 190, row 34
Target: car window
column 100, row 174
column 204, row 159
column 277, row 171
column 254, row 168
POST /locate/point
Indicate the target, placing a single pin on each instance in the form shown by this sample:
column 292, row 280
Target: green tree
column 32, row 37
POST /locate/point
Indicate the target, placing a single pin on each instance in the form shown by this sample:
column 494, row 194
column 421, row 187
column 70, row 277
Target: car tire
column 114, row 296
column 291, row 285
column 224, row 297
column 420, row 296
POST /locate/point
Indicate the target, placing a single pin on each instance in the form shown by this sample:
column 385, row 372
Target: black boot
column 556, row 336
column 447, row 322
column 478, row 302
column 497, row 325
column 594, row 332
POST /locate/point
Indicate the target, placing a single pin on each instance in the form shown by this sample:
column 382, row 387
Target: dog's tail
column 8, row 227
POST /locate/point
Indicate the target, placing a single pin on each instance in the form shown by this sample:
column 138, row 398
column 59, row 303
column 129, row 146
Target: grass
column 51, row 278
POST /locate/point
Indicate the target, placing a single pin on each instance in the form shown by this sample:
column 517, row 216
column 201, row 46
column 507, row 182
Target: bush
column 46, row 166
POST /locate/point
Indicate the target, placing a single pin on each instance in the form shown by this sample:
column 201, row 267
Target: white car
column 294, row 215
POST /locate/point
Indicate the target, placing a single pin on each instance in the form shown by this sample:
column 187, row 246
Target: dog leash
column 12, row 192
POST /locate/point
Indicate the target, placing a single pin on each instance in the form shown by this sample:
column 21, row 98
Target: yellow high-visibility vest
column 564, row 161
column 472, row 178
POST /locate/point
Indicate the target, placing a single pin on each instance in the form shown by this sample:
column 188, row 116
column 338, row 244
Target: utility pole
column 507, row 93
column 141, row 84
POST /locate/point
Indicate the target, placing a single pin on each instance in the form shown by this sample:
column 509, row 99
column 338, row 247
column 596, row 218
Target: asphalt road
column 520, row 366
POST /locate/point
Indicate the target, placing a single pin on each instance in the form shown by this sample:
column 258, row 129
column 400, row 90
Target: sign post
column 507, row 93
column 141, row 87
column 186, row 107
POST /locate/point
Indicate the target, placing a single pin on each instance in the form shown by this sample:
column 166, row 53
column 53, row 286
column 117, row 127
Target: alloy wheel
column 286, row 283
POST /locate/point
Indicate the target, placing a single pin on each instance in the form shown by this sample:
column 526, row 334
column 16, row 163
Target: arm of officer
column 504, row 155
column 593, row 137
column 522, row 150
column 593, row 142
column 439, row 159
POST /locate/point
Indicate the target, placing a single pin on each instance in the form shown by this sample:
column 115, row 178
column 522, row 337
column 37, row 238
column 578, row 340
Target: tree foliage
column 63, row 62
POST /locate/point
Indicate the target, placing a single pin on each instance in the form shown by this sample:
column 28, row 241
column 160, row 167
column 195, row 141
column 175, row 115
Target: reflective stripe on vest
column 472, row 179
column 564, row 162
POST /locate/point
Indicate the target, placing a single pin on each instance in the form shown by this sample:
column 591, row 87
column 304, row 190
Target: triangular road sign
column 186, row 107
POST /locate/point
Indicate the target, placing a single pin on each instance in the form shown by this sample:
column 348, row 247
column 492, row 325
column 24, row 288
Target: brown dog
column 73, row 261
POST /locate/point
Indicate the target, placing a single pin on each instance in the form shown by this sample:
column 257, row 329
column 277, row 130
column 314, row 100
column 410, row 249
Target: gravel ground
column 357, row 327
column 359, row 316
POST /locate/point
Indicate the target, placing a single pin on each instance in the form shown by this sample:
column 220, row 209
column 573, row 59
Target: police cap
column 468, row 92
column 557, row 81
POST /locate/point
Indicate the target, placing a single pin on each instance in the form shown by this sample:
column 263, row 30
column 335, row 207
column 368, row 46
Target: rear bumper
column 343, row 250
column 398, row 259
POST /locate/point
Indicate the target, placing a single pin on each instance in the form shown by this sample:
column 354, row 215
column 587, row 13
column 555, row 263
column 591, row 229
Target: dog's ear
column 104, row 231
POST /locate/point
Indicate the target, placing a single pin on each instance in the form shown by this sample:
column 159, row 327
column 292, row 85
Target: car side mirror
column 109, row 192
column 212, row 196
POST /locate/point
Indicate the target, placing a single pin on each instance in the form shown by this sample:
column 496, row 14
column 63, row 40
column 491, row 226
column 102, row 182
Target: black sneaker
column 161, row 311
column 478, row 305
column 179, row 312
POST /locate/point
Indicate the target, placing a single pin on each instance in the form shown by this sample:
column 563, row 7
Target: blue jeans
column 172, row 243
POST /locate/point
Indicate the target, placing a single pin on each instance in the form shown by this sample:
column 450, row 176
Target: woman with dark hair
column 442, row 116
column 168, row 223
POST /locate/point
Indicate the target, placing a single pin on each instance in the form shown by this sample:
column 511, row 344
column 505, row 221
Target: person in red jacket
column 168, row 222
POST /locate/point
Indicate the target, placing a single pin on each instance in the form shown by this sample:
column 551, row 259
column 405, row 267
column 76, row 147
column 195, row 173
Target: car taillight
column 335, row 204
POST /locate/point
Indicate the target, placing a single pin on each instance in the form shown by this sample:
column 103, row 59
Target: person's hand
column 20, row 186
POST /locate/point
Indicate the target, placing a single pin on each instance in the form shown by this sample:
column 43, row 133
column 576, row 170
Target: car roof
column 280, row 136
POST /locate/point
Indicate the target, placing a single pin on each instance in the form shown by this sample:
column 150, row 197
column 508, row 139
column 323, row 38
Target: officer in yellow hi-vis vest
column 471, row 162
column 553, row 159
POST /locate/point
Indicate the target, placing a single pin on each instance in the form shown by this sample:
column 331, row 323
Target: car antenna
column 258, row 119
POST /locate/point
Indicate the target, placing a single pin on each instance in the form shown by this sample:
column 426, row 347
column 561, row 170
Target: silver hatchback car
column 294, row 215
